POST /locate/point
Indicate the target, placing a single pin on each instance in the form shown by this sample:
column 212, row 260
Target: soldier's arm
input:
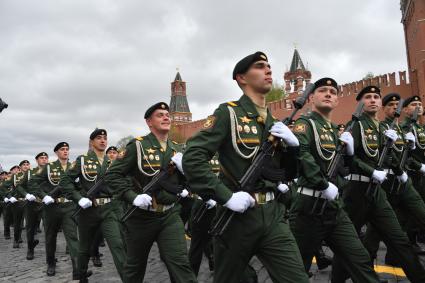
column 362, row 167
column 34, row 184
column 394, row 158
column 67, row 181
column 308, row 166
column 20, row 187
column 116, row 177
column 200, row 150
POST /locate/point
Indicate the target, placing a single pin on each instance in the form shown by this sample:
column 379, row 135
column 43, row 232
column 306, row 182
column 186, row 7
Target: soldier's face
column 372, row 103
column 325, row 98
column 42, row 160
column 3, row 176
column 390, row 109
column 15, row 171
column 159, row 120
column 63, row 153
column 100, row 142
column 410, row 109
column 112, row 154
column 258, row 77
column 25, row 167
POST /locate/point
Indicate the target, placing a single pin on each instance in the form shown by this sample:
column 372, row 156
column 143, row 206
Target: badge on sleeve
column 209, row 122
column 300, row 128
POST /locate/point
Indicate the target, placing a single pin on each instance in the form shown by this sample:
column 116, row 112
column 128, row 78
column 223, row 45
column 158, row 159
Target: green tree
column 369, row 75
column 275, row 94
column 122, row 143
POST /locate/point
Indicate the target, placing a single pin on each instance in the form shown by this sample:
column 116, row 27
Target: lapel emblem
column 151, row 150
column 245, row 119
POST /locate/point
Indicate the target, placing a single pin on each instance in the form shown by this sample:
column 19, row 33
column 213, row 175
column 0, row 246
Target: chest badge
column 254, row 129
column 245, row 119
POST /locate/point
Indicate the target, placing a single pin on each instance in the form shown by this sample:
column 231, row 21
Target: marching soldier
column 317, row 212
column 366, row 204
column 57, row 209
column 33, row 206
column 112, row 153
column 157, row 216
column 6, row 188
column 99, row 211
column 236, row 131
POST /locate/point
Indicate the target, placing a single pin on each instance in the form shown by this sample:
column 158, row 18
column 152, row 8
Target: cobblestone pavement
column 15, row 268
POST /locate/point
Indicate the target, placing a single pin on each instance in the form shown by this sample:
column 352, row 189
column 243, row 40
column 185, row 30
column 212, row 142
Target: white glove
column 280, row 130
column 84, row 203
column 13, row 200
column 379, row 176
column 410, row 137
column 283, row 188
column 48, row 200
column 6, row 200
column 422, row 170
column 331, row 192
column 30, row 197
column 240, row 201
column 347, row 138
column 142, row 201
column 391, row 134
column 402, row 178
column 184, row 193
column 177, row 159
column 211, row 203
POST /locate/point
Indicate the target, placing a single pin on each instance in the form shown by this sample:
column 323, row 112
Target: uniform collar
column 249, row 106
column 327, row 124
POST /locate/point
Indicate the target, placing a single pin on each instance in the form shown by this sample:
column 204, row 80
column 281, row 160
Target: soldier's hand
column 402, row 178
column 177, row 159
column 410, row 137
column 13, row 200
column 240, row 201
column 331, row 192
column 6, row 200
column 379, row 176
column 283, row 188
column 48, row 200
column 347, row 139
column 85, row 203
column 211, row 203
column 184, row 193
column 391, row 134
column 280, row 130
column 30, row 197
column 142, row 201
column 422, row 170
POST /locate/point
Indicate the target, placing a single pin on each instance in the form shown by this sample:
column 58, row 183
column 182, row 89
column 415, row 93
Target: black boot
column 7, row 234
column 16, row 244
column 30, row 252
column 322, row 259
column 96, row 261
column 390, row 260
column 75, row 272
column 84, row 277
column 51, row 266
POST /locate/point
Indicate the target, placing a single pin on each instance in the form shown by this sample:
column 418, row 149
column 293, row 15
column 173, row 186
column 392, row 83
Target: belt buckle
column 261, row 198
column 159, row 208
column 101, row 201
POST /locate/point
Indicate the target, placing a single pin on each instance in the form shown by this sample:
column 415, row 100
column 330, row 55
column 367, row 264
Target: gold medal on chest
column 240, row 129
column 151, row 157
column 94, row 166
column 254, row 129
column 156, row 157
column 246, row 129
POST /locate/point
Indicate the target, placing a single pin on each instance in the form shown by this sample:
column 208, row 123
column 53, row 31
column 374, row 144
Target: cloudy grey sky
column 69, row 66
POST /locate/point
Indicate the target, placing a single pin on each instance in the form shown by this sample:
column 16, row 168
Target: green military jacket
column 46, row 179
column 88, row 170
column 236, row 131
column 367, row 142
column 418, row 154
column 22, row 186
column 318, row 140
column 134, row 168
column 10, row 185
column 394, row 158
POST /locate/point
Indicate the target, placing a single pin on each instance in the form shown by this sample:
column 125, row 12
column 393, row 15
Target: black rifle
column 162, row 175
column 91, row 194
column 406, row 149
column 332, row 172
column 371, row 189
column 247, row 182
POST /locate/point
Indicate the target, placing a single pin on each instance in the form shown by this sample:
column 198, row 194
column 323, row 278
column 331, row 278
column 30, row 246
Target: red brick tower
column 297, row 76
column 179, row 108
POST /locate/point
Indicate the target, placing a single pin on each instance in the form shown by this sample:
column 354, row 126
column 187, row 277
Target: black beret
column 325, row 82
column 410, row 100
column 98, row 132
column 61, row 144
column 112, row 148
column 340, row 126
column 23, row 161
column 243, row 65
column 3, row 173
column 13, row 167
column 390, row 97
column 291, row 122
column 41, row 154
column 368, row 89
column 159, row 105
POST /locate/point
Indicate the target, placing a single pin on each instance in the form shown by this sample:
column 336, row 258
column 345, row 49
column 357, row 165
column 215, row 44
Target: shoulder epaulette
column 232, row 103
column 139, row 138
column 174, row 142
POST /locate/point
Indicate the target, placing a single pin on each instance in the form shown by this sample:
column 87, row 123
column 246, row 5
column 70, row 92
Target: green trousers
column 377, row 211
column 260, row 231
column 18, row 217
column 335, row 228
column 166, row 229
column 7, row 217
column 58, row 216
column 106, row 218
column 32, row 214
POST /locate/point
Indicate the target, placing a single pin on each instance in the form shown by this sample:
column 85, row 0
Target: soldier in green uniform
column 236, row 131
column 157, row 217
column 7, row 189
column 112, row 153
column 57, row 209
column 3, row 176
column 317, row 212
column 33, row 205
column 99, row 211
column 364, row 206
column 6, row 208
column 404, row 199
